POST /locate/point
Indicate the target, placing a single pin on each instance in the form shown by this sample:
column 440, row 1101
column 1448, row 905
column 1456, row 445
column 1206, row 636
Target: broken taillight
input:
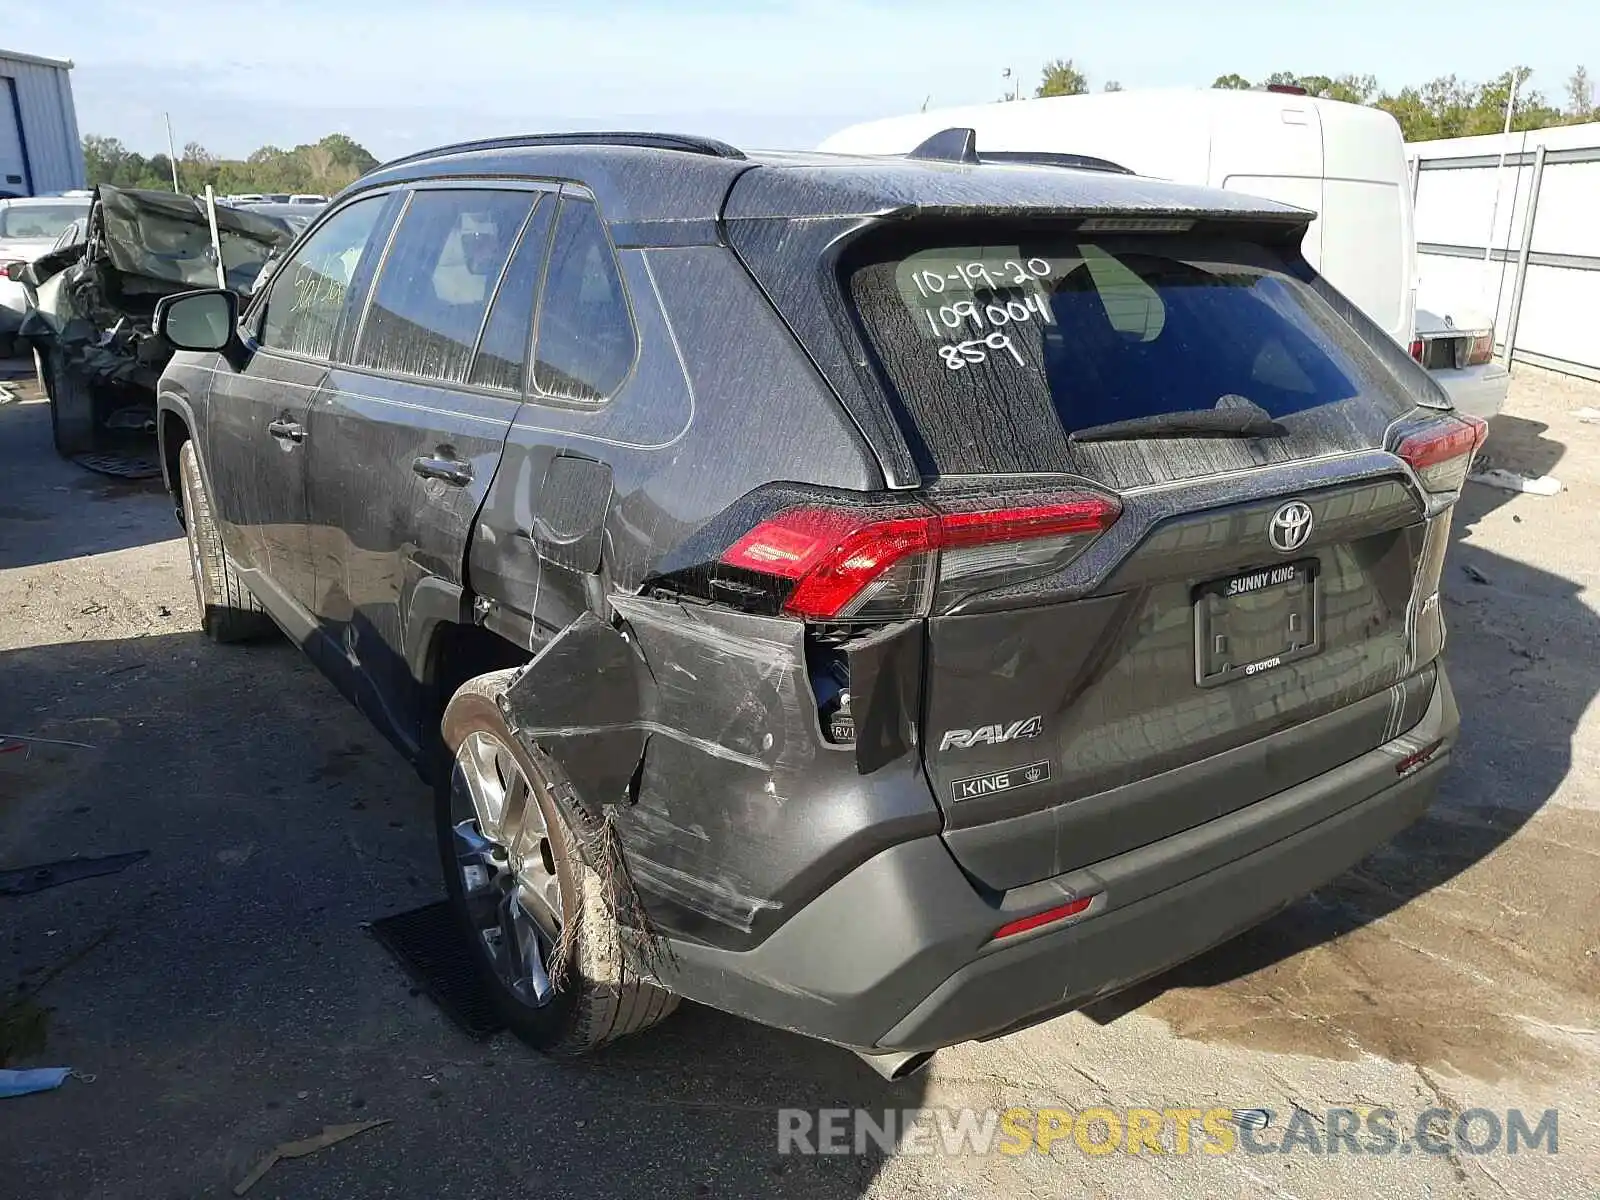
column 1441, row 454
column 850, row 564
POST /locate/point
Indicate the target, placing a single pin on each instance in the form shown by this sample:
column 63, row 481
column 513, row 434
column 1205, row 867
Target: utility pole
column 1494, row 211
column 172, row 155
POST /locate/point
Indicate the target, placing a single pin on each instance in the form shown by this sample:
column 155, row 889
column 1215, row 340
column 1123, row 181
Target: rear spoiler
column 960, row 145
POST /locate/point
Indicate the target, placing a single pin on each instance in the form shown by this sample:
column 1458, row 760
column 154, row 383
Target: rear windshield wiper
column 1202, row 422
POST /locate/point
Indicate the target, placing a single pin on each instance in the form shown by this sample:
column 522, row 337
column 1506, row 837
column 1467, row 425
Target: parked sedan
column 29, row 228
column 296, row 214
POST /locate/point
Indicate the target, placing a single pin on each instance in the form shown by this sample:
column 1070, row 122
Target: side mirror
column 13, row 270
column 198, row 320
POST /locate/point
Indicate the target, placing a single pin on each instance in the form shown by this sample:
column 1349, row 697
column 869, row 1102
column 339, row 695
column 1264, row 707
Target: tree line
column 1441, row 108
column 322, row 167
column 1445, row 107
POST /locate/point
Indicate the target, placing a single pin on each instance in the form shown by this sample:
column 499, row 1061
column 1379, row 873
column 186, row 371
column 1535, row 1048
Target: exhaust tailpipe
column 896, row 1064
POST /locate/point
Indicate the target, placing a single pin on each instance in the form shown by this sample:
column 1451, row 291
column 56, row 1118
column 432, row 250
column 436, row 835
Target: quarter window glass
column 436, row 283
column 309, row 290
column 586, row 341
column 502, row 355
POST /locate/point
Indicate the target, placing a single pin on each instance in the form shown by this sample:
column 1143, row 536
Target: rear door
column 408, row 433
column 1086, row 697
column 256, row 452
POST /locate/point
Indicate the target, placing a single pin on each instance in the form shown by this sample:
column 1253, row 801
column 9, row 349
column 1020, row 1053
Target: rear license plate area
column 1256, row 621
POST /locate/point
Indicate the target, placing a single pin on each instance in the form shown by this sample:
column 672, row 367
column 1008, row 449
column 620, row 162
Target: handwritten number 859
column 960, row 355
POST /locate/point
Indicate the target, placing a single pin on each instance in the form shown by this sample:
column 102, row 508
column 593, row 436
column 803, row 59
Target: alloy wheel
column 507, row 866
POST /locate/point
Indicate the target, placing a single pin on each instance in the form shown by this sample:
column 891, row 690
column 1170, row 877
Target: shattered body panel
column 90, row 305
column 701, row 729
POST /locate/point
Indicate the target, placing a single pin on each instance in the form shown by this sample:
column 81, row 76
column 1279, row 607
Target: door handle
column 287, row 431
column 450, row 470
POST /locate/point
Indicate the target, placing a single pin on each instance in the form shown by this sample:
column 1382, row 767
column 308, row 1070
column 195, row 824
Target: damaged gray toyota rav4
column 897, row 600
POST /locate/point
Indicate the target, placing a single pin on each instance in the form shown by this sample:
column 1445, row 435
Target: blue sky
column 399, row 75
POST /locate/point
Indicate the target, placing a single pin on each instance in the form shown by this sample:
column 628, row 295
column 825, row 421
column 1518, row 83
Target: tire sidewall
column 189, row 480
column 73, row 432
column 546, row 1026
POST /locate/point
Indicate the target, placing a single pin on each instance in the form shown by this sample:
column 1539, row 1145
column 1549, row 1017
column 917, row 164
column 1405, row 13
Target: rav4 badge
column 992, row 735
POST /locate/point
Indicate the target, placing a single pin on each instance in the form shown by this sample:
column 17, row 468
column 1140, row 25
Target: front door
column 407, row 439
column 259, row 416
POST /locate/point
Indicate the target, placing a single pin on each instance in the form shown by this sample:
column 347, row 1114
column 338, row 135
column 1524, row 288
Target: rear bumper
column 897, row 955
column 1477, row 391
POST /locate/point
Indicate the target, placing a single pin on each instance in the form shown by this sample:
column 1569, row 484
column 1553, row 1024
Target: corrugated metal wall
column 1541, row 279
column 49, row 121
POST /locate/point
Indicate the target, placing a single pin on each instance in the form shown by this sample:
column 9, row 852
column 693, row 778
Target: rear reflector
column 1048, row 917
column 873, row 564
column 1412, row 761
column 1442, row 454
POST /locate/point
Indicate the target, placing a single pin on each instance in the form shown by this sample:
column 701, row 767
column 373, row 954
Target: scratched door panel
column 257, row 468
column 409, row 435
column 378, row 529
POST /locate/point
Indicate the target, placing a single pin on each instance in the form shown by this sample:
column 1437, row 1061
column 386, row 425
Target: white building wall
column 1467, row 202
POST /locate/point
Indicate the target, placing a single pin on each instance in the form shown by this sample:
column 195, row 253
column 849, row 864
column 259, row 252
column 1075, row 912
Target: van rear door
column 1344, row 162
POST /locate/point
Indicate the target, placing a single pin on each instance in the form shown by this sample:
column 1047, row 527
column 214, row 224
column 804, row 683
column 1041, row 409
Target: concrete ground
column 226, row 998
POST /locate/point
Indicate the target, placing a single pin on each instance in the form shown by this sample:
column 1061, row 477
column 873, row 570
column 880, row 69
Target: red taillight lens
column 1482, row 349
column 1442, row 454
column 850, row 564
column 1048, row 917
column 836, row 555
column 1416, row 349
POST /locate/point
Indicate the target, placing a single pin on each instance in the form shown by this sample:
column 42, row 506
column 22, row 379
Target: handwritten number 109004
column 948, row 318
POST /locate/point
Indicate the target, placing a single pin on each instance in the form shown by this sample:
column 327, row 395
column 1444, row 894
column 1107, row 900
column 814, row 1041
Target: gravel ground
column 225, row 996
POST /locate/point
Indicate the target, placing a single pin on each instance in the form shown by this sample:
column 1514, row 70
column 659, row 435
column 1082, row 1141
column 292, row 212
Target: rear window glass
column 38, row 220
column 1084, row 330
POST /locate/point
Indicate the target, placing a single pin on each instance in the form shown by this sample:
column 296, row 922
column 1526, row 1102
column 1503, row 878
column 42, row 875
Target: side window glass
column 585, row 341
column 503, row 352
column 435, row 285
column 309, row 289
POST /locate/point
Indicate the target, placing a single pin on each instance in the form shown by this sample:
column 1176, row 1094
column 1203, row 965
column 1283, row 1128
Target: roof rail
column 960, row 145
column 686, row 143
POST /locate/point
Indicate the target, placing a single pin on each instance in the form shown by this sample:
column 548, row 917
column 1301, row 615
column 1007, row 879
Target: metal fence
column 1514, row 224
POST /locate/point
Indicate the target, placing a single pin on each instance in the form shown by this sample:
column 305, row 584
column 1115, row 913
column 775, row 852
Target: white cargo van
column 1346, row 162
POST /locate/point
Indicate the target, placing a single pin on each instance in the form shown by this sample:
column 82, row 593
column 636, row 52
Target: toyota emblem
column 1290, row 527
